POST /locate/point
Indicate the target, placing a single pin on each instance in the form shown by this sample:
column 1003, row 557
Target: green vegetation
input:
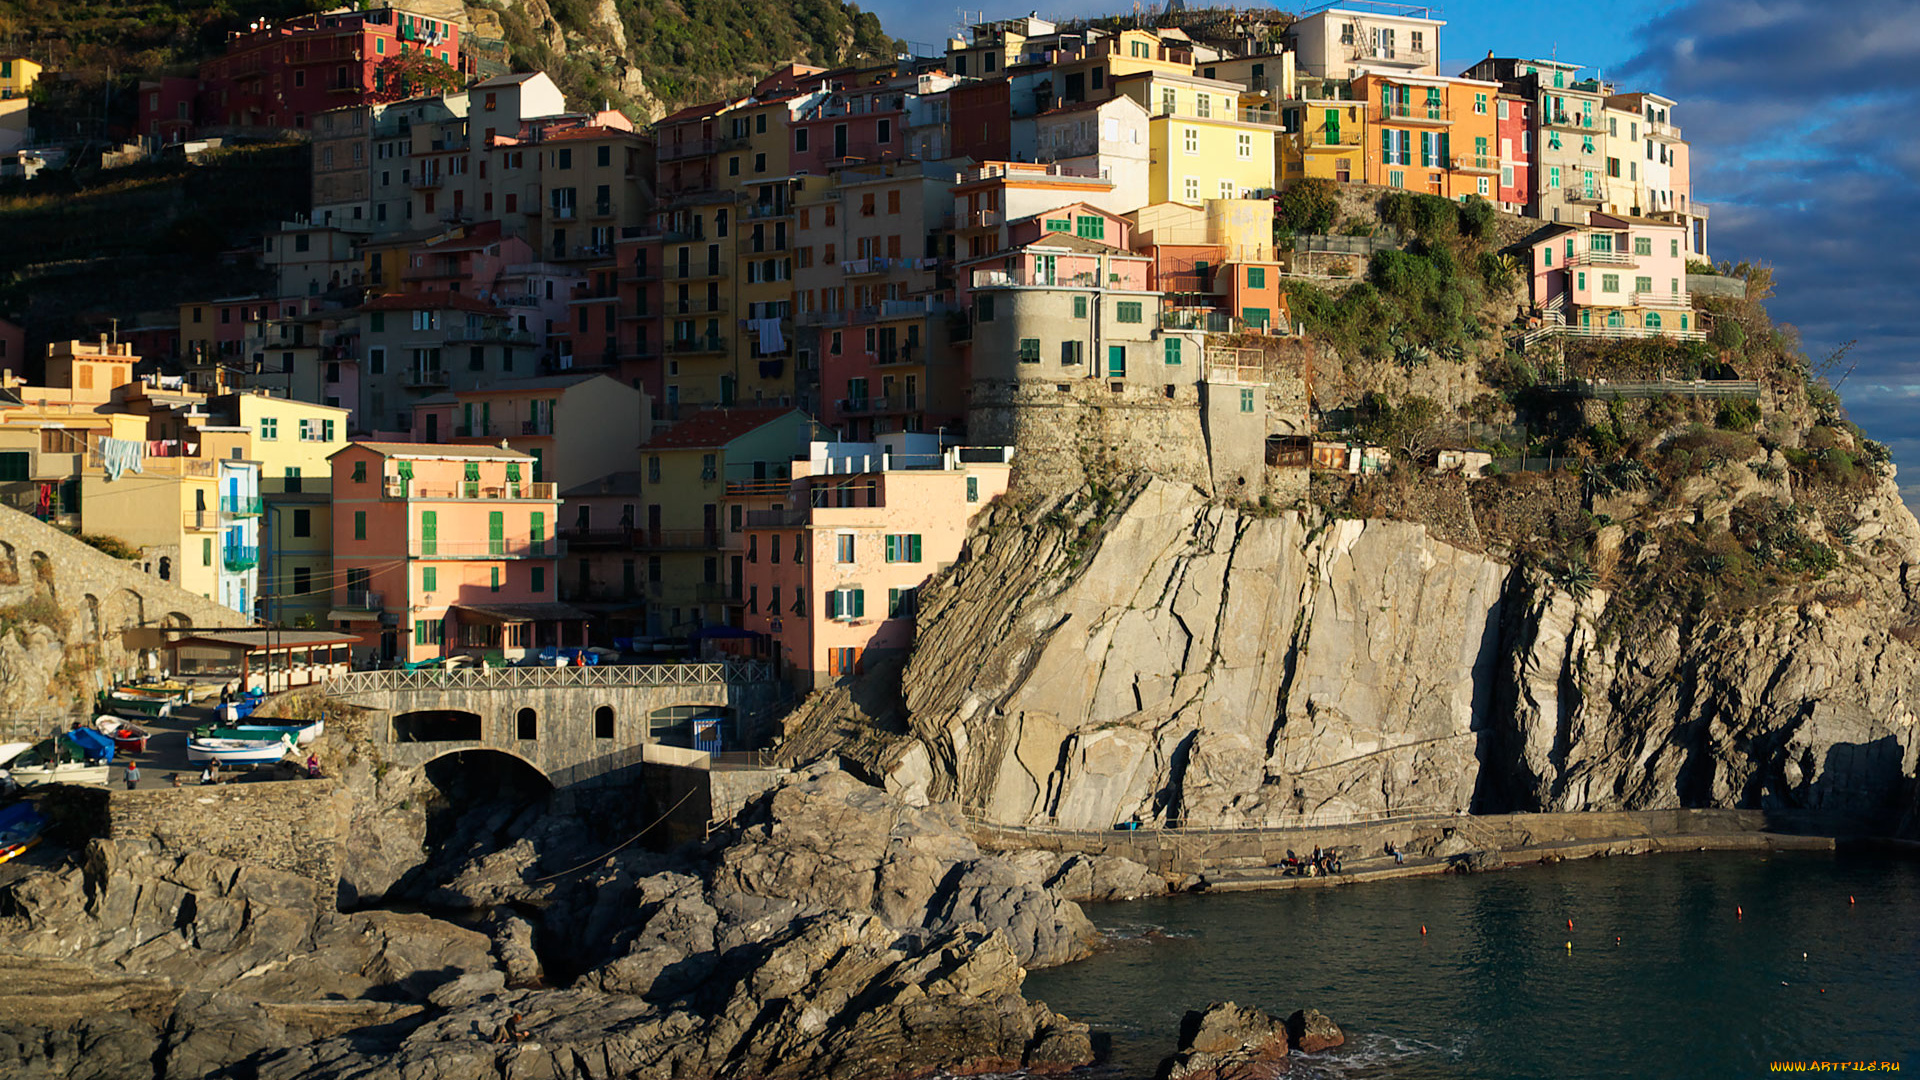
column 108, row 545
column 692, row 50
column 1430, row 301
column 1308, row 206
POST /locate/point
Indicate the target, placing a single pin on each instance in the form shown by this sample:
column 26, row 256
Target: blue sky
column 1800, row 114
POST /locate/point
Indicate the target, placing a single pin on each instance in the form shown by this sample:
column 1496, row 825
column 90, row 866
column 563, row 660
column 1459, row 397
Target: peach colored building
column 831, row 577
column 441, row 550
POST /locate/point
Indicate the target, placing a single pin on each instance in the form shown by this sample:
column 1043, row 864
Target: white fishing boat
column 29, row 765
column 234, row 752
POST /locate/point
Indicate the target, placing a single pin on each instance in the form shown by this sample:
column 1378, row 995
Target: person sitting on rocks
column 206, row 774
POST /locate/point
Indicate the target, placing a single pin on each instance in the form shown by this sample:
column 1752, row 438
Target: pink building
column 831, row 578
column 474, row 263
column 446, row 550
column 1617, row 276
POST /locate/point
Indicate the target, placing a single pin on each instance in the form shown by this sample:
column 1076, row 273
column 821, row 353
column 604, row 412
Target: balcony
column 242, row 506
column 776, row 519
column 421, row 548
column 577, row 538
column 1601, row 258
column 1663, row 132
column 1324, row 135
column 765, row 245
column 677, row 539
column 718, row 592
column 704, row 343
column 536, row 427
column 239, row 558
column 680, row 151
column 469, row 490
column 768, row 210
column 504, row 334
column 1665, row 301
column 426, row 180
column 700, row 271
column 200, row 521
column 859, row 406
column 978, row 219
column 418, row 378
column 1024, row 278
column 1571, row 121
column 874, row 265
column 1412, row 114
column 636, row 274
column 1593, row 195
column 364, row 600
column 560, row 213
column 1368, row 52
column 1470, row 163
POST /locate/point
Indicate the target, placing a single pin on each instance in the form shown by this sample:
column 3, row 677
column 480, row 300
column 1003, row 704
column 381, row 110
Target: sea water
column 1695, row 965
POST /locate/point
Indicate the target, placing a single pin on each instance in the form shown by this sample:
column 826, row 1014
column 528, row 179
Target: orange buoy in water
column 1849, row 901
column 1569, row 924
column 1616, row 941
column 1739, row 912
column 1423, row 929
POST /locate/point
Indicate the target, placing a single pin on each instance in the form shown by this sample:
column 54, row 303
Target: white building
column 1341, row 42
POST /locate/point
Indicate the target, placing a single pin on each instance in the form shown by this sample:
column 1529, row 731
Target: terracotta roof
column 695, row 112
column 716, row 427
column 437, row 450
column 590, row 131
column 430, row 301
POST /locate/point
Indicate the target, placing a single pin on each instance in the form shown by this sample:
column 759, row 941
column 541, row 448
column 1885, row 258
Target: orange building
column 1433, row 135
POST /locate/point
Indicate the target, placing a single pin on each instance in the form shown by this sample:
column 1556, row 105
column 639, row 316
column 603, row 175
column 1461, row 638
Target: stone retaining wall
column 293, row 825
column 1176, row 851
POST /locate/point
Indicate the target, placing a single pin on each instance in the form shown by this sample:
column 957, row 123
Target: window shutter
column 1386, row 146
column 833, row 603
column 913, row 548
column 892, row 552
column 859, row 603
column 1446, row 150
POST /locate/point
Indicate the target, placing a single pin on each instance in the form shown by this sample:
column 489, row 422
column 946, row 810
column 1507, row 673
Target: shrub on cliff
column 1308, row 206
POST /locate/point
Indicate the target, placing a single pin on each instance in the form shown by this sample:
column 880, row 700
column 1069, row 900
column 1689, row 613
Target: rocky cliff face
column 1183, row 659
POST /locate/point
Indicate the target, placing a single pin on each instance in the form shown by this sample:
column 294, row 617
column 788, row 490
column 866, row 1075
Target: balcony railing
column 680, row 151
column 697, row 305
column 1366, row 51
column 697, row 270
column 1668, row 300
column 769, row 210
column 484, row 549
column 1572, row 121
column 704, row 343
column 718, row 592
column 677, row 539
column 1022, row 278
column 1601, row 258
column 776, row 519
column 200, row 521
column 239, row 558
column 504, row 334
column 417, row 377
column 1334, row 135
column 1594, row 195
column 365, row 600
column 535, row 492
column 864, row 405
column 1412, row 114
column 1663, row 132
column 240, row 505
column 1474, row 163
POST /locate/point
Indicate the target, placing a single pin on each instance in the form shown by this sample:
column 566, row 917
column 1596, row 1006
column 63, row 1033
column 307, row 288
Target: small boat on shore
column 303, row 734
column 127, row 738
column 242, row 752
column 27, row 765
column 20, row 829
column 129, row 700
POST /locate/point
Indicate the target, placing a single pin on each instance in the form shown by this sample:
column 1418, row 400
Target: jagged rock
column 1477, row 862
column 1225, row 1041
column 828, row 842
column 513, row 947
column 1105, row 878
column 1311, row 1031
column 1180, row 659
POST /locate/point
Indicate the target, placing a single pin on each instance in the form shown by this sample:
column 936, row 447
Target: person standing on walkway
column 133, row 775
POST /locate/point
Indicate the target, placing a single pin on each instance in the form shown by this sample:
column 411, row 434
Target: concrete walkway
column 1383, row 868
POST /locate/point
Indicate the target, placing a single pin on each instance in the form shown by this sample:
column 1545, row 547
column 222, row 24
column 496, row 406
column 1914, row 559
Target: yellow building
column 692, row 559
column 292, row 441
column 1204, row 145
column 17, row 76
column 1325, row 131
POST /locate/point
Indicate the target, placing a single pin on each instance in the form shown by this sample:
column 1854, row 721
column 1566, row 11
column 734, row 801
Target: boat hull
column 238, row 751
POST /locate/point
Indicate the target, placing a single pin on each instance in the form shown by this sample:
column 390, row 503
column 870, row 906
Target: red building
column 1515, row 130
column 980, row 116
column 281, row 75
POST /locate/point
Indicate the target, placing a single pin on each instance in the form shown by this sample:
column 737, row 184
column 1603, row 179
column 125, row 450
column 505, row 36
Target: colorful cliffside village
column 533, row 378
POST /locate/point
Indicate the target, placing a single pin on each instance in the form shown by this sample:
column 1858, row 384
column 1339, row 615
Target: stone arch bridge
column 573, row 724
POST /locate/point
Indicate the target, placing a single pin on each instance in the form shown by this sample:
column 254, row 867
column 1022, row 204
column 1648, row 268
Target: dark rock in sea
column 1311, row 1031
column 1478, row 862
column 1228, row 1042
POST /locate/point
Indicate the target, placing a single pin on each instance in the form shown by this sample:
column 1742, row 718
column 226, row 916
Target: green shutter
column 1446, row 149
column 1386, row 146
column 973, row 489
column 513, row 472
column 537, row 528
column 913, row 548
column 495, row 586
column 473, row 472
column 833, row 603
column 429, row 579
column 892, row 549
column 429, row 532
column 893, row 603
column 206, row 553
column 359, row 524
column 496, row 533
column 539, row 579
column 1172, row 346
column 859, row 603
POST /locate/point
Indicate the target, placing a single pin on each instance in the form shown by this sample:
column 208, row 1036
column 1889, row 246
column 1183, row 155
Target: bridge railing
column 617, row 676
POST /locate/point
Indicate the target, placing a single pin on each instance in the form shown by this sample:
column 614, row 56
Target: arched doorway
column 436, row 725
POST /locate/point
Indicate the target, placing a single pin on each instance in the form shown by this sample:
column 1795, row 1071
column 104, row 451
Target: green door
column 1116, row 361
column 496, row 533
column 1256, row 318
column 1333, row 127
column 429, row 533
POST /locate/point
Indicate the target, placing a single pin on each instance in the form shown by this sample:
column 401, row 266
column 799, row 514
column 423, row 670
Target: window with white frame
column 1244, row 144
column 1226, row 189
column 843, row 548
column 1192, row 189
column 1190, row 140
